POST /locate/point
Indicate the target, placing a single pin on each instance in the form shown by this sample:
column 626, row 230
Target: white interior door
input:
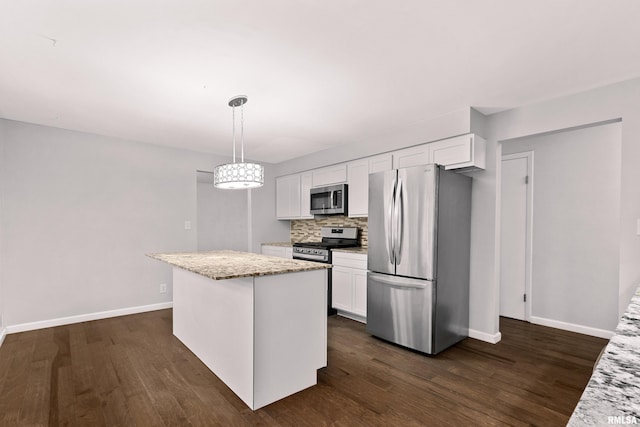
column 515, row 241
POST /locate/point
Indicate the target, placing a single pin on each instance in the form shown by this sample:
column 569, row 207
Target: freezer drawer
column 400, row 310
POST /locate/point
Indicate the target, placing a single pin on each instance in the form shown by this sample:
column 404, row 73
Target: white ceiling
column 317, row 73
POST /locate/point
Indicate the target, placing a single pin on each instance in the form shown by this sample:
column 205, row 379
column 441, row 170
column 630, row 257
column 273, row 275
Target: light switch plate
column 638, row 227
column 187, row 225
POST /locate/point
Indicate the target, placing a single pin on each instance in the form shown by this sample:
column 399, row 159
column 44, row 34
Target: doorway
column 516, row 235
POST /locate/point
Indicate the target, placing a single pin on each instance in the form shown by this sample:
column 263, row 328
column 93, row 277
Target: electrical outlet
column 163, row 288
column 187, row 225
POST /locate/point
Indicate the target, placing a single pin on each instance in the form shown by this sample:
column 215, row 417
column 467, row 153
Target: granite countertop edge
column 283, row 244
column 614, row 388
column 210, row 264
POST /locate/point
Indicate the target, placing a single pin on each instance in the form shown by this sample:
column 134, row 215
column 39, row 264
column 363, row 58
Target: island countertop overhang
column 227, row 264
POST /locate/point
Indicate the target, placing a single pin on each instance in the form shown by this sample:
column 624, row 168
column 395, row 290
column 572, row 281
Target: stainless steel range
column 332, row 238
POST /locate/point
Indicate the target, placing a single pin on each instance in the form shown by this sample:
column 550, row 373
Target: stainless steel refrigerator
column 418, row 258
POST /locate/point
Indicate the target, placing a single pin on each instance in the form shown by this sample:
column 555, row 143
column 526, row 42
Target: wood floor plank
column 35, row 403
column 131, row 370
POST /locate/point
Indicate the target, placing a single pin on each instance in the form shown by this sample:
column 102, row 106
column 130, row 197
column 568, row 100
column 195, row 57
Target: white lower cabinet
column 349, row 283
column 279, row 251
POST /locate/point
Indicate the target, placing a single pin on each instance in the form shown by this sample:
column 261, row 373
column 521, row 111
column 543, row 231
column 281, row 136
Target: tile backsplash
column 308, row 230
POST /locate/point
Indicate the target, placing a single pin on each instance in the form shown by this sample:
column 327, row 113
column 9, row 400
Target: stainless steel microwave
column 331, row 200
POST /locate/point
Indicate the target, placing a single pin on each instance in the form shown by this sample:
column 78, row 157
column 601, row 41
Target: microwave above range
column 331, row 200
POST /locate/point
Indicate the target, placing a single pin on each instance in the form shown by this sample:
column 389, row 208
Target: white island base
column 264, row 336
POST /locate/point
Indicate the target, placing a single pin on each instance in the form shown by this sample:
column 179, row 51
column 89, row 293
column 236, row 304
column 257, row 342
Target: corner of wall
column 3, row 334
column 3, row 330
column 478, row 124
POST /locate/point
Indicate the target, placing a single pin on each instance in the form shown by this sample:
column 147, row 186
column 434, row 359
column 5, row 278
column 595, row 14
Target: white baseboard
column 586, row 330
column 3, row 333
column 23, row 327
column 352, row 316
column 483, row 336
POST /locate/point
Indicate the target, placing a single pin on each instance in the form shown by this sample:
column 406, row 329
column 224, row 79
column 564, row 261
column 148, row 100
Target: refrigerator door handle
column 390, row 224
column 396, row 283
column 399, row 213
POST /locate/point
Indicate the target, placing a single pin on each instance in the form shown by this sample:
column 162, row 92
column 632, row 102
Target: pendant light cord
column 242, row 132
column 233, row 109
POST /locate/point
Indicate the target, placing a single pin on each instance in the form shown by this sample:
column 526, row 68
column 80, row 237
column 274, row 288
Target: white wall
column 222, row 218
column 617, row 101
column 576, row 225
column 264, row 225
column 484, row 271
column 239, row 219
column 79, row 211
column 2, row 138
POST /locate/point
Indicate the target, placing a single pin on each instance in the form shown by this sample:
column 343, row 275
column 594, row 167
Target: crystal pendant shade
column 238, row 176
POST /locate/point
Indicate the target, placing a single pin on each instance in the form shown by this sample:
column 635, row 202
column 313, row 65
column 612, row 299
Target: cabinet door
column 358, row 175
column 360, row 292
column 452, row 151
column 305, row 198
column 466, row 151
column 278, row 251
column 412, row 156
column 288, row 252
column 330, row 175
column 383, row 162
column 288, row 197
column 342, row 289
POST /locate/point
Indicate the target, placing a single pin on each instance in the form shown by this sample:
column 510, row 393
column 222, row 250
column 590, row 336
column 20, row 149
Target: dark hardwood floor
column 130, row 370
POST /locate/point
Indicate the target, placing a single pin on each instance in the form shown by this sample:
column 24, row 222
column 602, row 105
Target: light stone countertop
column 220, row 265
column 282, row 244
column 613, row 393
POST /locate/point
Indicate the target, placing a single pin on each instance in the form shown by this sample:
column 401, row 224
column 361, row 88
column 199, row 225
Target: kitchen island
column 258, row 322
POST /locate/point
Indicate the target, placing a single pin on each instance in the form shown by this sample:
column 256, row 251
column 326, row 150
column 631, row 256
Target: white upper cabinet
column 462, row 152
column 358, row 190
column 306, row 181
column 330, row 175
column 382, row 162
column 358, row 179
column 412, row 156
column 288, row 197
column 466, row 151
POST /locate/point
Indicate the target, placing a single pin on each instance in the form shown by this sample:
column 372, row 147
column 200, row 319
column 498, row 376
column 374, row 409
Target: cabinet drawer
column 346, row 259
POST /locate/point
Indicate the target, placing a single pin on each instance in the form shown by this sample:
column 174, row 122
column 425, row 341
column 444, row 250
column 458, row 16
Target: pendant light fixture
column 241, row 175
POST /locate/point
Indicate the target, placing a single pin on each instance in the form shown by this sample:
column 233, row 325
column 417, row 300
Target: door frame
column 529, row 155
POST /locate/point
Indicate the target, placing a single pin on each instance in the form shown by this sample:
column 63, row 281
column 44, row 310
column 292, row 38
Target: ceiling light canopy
column 240, row 175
